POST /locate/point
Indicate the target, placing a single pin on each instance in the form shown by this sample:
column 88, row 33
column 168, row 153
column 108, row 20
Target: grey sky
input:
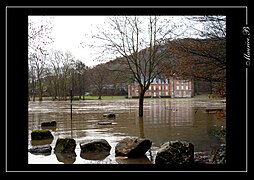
column 69, row 31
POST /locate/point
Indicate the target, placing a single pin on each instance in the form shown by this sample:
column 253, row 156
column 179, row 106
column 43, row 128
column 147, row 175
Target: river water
column 164, row 120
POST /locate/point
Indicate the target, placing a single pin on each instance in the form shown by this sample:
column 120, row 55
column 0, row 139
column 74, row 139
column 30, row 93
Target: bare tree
column 31, row 79
column 38, row 37
column 39, row 30
column 67, row 73
column 37, row 66
column 80, row 78
column 54, row 66
column 98, row 78
column 128, row 36
column 203, row 58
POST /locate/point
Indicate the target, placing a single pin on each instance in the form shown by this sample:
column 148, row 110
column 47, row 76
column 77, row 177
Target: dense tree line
column 55, row 74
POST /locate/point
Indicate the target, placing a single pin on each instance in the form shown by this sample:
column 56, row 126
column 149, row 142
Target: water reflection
column 170, row 113
column 164, row 120
column 52, row 128
column 41, row 142
column 141, row 127
column 66, row 158
column 94, row 155
column 140, row 160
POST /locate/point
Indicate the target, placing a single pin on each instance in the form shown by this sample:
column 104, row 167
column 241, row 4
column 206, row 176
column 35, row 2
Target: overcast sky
column 69, row 31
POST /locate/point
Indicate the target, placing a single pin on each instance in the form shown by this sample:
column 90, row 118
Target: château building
column 164, row 87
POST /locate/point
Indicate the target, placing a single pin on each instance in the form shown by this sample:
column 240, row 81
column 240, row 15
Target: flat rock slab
column 48, row 123
column 104, row 123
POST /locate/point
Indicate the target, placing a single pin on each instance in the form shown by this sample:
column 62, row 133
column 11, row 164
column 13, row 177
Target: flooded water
column 164, row 120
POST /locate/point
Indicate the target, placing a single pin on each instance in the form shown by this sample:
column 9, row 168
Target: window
column 182, row 87
column 154, row 88
column 150, row 87
column 186, row 87
column 159, row 87
column 166, row 93
column 166, row 87
column 177, row 87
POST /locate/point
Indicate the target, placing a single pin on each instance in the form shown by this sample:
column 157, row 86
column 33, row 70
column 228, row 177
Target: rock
column 94, row 155
column 48, row 123
column 104, row 123
column 220, row 155
column 109, row 115
column 66, row 158
column 95, row 145
column 132, row 147
column 65, row 145
column 175, row 152
column 41, row 134
column 40, row 149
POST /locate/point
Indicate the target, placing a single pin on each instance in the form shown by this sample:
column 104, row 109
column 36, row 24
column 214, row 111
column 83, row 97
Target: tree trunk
column 141, row 127
column 141, row 103
column 40, row 90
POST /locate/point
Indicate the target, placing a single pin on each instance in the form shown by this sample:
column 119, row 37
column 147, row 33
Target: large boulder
column 132, row 147
column 95, row 145
column 41, row 134
column 96, row 149
column 65, row 145
column 44, row 149
column 175, row 152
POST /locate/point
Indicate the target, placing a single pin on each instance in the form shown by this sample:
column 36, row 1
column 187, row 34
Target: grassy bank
column 201, row 96
column 75, row 98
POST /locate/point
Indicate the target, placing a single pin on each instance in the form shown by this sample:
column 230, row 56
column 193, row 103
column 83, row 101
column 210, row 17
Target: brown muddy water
column 164, row 120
